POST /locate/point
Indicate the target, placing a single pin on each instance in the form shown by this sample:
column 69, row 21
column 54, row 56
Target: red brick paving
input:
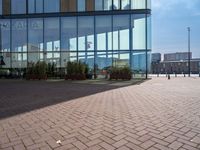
column 158, row 114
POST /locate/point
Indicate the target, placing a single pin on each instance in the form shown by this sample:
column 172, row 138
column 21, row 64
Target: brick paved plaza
column 157, row 114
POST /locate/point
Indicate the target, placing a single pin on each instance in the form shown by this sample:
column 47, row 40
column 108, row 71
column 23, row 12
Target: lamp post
column 188, row 51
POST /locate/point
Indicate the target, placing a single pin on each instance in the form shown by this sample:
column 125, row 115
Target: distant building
column 177, row 56
column 174, row 63
column 155, row 57
column 177, row 67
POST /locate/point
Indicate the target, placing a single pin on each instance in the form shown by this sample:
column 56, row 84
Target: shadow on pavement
column 19, row 96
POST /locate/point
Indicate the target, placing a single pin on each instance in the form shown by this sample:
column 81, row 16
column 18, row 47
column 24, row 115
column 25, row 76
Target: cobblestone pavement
column 158, row 114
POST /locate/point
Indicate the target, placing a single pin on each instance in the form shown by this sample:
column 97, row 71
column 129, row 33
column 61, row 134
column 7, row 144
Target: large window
column 19, row 43
column 139, row 62
column 104, row 33
column 1, row 7
column 19, row 35
column 18, row 6
column 103, row 61
column 81, row 5
column 51, row 34
column 51, row 6
column 85, row 33
column 35, row 35
column 107, row 4
column 98, row 5
column 125, row 4
column 138, row 4
column 5, row 35
column 121, row 59
column 121, row 32
column 69, row 34
column 116, row 4
column 138, row 32
column 35, row 6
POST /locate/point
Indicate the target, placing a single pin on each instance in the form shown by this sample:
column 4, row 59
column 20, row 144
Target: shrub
column 76, row 71
column 123, row 73
column 36, row 71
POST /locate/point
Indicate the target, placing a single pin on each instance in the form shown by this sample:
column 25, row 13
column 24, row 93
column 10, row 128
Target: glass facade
column 0, row 7
column 18, row 6
column 102, row 38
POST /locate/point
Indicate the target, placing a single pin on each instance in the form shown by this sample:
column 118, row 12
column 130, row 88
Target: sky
column 170, row 19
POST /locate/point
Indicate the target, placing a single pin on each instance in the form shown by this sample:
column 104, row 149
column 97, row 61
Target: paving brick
column 107, row 146
column 196, row 140
column 157, row 114
column 147, row 144
column 80, row 145
column 175, row 145
column 120, row 143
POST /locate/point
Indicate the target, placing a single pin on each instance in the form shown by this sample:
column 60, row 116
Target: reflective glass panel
column 87, row 58
column 51, row 6
column 81, row 5
column 107, row 4
column 0, row 7
column 138, row 4
column 85, row 33
column 121, row 59
column 121, row 32
column 5, row 35
column 35, row 6
column 51, row 35
column 6, row 59
column 125, row 4
column 98, row 4
column 68, row 36
column 65, row 57
column 139, row 32
column 103, row 61
column 53, row 57
column 19, row 35
column 139, row 62
column 19, row 60
column 35, row 35
column 116, row 4
column 35, row 57
column 18, row 6
column 104, row 32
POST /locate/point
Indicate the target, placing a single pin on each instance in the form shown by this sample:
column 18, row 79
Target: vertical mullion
column 146, row 40
column 27, row 28
column 60, row 39
column 11, row 43
column 112, row 37
column 95, row 45
column 77, row 40
column 130, row 40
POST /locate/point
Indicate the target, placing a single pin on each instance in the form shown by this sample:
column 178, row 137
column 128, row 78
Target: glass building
column 101, row 33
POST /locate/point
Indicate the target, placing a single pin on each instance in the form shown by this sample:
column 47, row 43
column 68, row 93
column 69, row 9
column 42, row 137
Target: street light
column 188, row 51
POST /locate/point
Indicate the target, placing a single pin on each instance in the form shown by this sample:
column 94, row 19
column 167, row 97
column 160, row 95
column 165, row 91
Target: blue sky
column 170, row 19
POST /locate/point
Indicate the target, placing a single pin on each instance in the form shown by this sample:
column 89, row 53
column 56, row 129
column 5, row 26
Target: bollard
column 184, row 74
column 158, row 75
column 175, row 75
column 168, row 77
